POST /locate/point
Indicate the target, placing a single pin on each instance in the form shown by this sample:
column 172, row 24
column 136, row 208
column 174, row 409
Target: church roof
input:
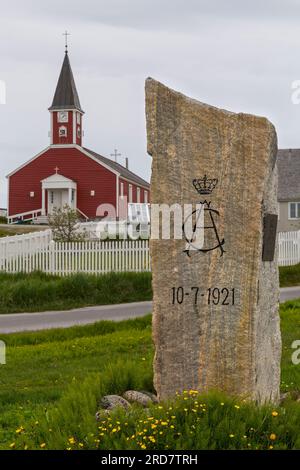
column 124, row 172
column 66, row 96
column 55, row 177
column 288, row 161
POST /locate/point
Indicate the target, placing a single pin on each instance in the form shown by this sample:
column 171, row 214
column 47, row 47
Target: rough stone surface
column 234, row 348
column 102, row 414
column 138, row 397
column 151, row 395
column 109, row 402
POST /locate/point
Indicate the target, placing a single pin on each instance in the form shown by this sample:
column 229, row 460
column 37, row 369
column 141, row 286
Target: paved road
column 289, row 293
column 82, row 316
column 14, row 322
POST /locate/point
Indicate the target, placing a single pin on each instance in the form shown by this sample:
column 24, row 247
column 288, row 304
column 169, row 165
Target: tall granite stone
column 215, row 312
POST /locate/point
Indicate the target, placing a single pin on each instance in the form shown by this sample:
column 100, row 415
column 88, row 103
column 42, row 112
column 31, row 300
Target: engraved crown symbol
column 205, row 185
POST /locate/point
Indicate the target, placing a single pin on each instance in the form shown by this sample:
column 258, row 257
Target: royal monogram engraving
column 203, row 186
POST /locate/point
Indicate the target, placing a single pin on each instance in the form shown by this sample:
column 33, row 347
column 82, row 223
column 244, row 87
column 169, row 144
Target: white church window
column 130, row 193
column 62, row 131
column 138, row 195
column 92, row 192
column 122, row 190
column 31, row 193
column 146, row 197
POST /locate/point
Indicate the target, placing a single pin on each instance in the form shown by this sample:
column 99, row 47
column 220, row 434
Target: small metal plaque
column 270, row 228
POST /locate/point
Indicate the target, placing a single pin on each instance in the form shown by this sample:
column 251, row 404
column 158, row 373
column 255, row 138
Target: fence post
column 51, row 264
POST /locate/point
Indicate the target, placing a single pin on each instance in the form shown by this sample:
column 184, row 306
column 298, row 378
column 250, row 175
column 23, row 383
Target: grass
column 289, row 275
column 11, row 230
column 44, row 368
column 53, row 382
column 39, row 292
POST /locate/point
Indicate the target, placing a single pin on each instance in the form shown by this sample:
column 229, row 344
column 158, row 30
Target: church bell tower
column 65, row 112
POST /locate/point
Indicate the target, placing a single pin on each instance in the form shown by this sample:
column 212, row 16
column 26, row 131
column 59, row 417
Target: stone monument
column 215, row 303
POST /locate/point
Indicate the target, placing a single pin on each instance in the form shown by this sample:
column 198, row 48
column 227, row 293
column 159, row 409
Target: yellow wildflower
column 273, row 436
column 231, row 435
column 19, row 430
column 274, row 413
column 43, row 445
column 71, row 440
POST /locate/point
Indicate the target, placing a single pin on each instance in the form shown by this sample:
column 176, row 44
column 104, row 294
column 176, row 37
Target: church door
column 55, row 199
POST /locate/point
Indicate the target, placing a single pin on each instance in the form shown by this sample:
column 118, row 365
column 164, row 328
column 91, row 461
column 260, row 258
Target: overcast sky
column 242, row 55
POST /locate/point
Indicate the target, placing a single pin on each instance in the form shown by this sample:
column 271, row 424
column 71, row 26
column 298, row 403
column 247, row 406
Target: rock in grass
column 153, row 397
column 142, row 398
column 109, row 402
column 102, row 414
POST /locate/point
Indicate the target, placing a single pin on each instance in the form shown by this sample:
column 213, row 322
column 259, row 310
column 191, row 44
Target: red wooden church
column 66, row 172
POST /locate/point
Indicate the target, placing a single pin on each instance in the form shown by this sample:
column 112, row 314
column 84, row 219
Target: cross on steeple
column 116, row 155
column 66, row 34
column 56, row 169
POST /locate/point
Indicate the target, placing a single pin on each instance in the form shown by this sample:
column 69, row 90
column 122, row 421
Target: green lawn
column 53, row 380
column 289, row 275
column 41, row 366
column 39, row 292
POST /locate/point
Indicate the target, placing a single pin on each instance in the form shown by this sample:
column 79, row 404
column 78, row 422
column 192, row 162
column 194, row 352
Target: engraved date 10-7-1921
column 212, row 295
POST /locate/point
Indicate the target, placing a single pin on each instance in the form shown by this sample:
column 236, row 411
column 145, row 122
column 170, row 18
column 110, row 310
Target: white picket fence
column 37, row 251
column 17, row 253
column 288, row 248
